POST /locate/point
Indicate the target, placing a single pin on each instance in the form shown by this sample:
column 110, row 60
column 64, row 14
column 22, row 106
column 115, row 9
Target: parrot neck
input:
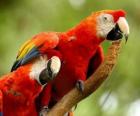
column 86, row 30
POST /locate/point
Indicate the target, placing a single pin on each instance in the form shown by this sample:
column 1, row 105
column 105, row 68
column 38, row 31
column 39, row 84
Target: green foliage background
column 20, row 20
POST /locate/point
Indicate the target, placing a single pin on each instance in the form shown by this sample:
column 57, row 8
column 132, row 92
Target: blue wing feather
column 15, row 65
column 33, row 53
column 1, row 113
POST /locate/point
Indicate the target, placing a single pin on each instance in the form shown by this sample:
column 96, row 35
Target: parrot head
column 32, row 77
column 111, row 24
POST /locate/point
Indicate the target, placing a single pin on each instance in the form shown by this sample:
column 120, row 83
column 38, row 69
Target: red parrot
column 79, row 50
column 19, row 89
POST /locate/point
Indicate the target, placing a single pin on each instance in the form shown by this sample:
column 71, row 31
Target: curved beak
column 124, row 27
column 120, row 29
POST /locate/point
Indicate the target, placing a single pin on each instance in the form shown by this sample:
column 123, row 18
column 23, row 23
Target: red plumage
column 79, row 50
column 18, row 93
column 80, row 57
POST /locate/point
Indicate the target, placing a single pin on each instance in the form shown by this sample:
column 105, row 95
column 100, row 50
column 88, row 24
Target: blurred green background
column 20, row 20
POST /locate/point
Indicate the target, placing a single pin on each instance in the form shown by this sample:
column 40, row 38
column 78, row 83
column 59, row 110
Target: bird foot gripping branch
column 80, row 85
column 91, row 84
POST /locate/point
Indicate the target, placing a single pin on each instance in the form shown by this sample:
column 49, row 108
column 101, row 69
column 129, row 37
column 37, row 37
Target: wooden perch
column 74, row 96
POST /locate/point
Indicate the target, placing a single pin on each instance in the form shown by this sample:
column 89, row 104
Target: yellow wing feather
column 25, row 48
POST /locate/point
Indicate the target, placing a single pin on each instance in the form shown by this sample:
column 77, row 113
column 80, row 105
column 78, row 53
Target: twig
column 74, row 96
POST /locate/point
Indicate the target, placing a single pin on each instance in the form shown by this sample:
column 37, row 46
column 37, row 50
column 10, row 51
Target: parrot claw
column 44, row 111
column 80, row 85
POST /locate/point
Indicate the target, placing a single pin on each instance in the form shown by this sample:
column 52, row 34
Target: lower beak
column 115, row 34
column 120, row 29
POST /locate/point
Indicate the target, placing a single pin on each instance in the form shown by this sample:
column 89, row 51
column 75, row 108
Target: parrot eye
column 107, row 18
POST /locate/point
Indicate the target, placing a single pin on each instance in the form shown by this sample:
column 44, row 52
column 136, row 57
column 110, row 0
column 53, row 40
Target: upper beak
column 124, row 27
column 121, row 28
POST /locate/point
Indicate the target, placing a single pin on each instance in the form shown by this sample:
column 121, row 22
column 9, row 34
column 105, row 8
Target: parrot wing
column 33, row 53
column 34, row 48
column 95, row 61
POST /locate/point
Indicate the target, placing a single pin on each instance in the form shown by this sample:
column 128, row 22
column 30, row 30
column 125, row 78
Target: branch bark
column 75, row 96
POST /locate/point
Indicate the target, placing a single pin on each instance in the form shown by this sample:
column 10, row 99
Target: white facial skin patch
column 105, row 24
column 38, row 66
column 41, row 63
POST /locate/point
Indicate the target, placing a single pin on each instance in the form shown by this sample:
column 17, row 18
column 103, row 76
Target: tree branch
column 74, row 96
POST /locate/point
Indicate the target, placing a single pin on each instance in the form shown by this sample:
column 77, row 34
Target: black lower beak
column 115, row 34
